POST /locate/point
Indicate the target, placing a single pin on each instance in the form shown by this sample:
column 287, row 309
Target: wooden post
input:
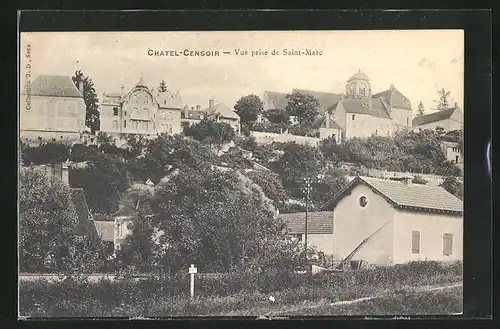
column 192, row 271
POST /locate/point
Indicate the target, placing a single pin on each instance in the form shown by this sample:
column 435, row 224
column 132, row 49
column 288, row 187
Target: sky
column 417, row 62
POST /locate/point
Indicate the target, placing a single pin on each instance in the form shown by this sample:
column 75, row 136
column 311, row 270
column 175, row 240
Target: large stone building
column 51, row 108
column 218, row 111
column 358, row 112
column 141, row 111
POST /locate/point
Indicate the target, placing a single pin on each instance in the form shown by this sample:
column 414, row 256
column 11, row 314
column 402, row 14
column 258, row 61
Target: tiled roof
column 54, row 86
column 192, row 114
column 355, row 106
column 320, row 122
column 450, row 144
column 320, row 222
column 324, row 99
column 278, row 100
column 223, row 110
column 395, row 98
column 433, row 117
column 359, row 76
column 105, row 230
column 424, row 197
column 85, row 226
column 379, row 109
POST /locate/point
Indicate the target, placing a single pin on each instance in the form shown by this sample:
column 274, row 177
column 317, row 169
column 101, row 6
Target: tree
column 328, row 186
column 193, row 227
column 302, row 106
column 92, row 119
column 47, row 153
column 248, row 108
column 104, row 179
column 47, row 218
column 452, row 185
column 420, row 110
column 162, row 87
column 211, row 131
column 271, row 185
column 281, row 118
column 329, row 148
column 443, row 102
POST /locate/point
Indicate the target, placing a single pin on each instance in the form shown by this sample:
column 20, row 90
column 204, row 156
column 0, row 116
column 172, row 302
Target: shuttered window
column 447, row 244
column 415, row 242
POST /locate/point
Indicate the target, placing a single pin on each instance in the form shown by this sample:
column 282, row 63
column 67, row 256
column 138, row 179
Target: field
column 405, row 291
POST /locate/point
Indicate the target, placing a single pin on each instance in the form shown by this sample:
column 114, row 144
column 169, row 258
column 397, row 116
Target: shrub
column 419, row 180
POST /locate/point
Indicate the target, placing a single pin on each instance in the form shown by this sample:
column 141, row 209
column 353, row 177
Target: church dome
column 359, row 76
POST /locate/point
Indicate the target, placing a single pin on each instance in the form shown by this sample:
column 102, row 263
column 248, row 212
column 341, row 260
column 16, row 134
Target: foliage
column 81, row 153
column 210, row 131
column 443, row 101
column 104, row 138
column 329, row 148
column 299, row 161
column 280, row 118
column 47, row 218
column 299, row 130
column 420, row 110
column 46, row 153
column 162, row 87
column 236, row 160
column 267, row 127
column 92, row 116
column 304, row 107
column 248, row 143
column 452, row 185
column 328, row 186
column 167, row 152
column 136, row 144
column 248, row 108
column 104, row 179
column 419, row 180
column 271, row 185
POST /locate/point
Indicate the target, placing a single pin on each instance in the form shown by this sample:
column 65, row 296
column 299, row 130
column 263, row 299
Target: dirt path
column 358, row 300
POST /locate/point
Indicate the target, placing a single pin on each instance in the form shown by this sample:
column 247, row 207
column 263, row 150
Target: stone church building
column 358, row 112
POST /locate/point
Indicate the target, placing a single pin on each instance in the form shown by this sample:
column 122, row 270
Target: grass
column 403, row 296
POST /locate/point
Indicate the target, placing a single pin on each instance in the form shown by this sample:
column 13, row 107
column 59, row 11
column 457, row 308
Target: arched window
column 146, row 99
column 145, row 113
column 362, row 91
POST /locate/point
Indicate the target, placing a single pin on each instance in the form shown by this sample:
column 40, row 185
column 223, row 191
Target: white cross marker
column 192, row 271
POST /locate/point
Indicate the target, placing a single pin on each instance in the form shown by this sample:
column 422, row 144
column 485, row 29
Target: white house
column 382, row 222
column 319, row 228
column 450, row 119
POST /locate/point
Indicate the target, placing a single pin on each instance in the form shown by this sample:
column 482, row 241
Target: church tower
column 359, row 87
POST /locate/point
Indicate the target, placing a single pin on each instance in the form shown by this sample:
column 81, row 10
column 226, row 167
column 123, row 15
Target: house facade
column 218, row 111
column 449, row 120
column 51, row 108
column 319, row 229
column 141, row 111
column 385, row 222
column 357, row 112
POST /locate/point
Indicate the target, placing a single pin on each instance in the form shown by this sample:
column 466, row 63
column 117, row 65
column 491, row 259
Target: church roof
column 401, row 195
column 433, row 117
column 324, row 99
column 379, row 109
column 54, row 86
column 359, row 76
column 278, row 100
column 355, row 106
column 394, row 98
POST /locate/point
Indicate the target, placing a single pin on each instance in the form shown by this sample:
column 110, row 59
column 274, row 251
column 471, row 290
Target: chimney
column 327, row 119
column 80, row 87
column 210, row 105
column 198, row 107
column 392, row 86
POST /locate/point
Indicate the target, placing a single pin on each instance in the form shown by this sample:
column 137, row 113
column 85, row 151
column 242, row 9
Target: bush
column 419, row 180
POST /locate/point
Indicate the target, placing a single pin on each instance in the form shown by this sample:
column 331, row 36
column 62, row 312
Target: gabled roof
column 278, row 100
column 168, row 100
column 379, row 108
column 223, row 110
column 394, row 98
column 320, row 122
column 54, row 86
column 324, row 99
column 320, row 222
column 85, row 225
column 401, row 195
column 433, row 117
column 105, row 230
column 355, row 106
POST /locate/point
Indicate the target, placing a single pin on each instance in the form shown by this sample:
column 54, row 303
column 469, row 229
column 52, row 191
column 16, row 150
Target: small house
column 382, row 222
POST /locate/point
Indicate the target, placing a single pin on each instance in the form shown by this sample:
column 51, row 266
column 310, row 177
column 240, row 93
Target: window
column 407, row 122
column 363, row 201
column 146, row 100
column 115, row 124
column 125, row 113
column 169, row 115
column 136, row 112
column 376, row 132
column 145, row 112
column 136, row 124
column 115, row 111
column 353, row 116
column 362, row 91
column 124, row 123
column 170, row 128
column 447, row 244
column 415, row 242
column 118, row 229
column 456, row 158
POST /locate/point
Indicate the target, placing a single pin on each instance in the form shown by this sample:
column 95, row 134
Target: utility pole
column 307, row 191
